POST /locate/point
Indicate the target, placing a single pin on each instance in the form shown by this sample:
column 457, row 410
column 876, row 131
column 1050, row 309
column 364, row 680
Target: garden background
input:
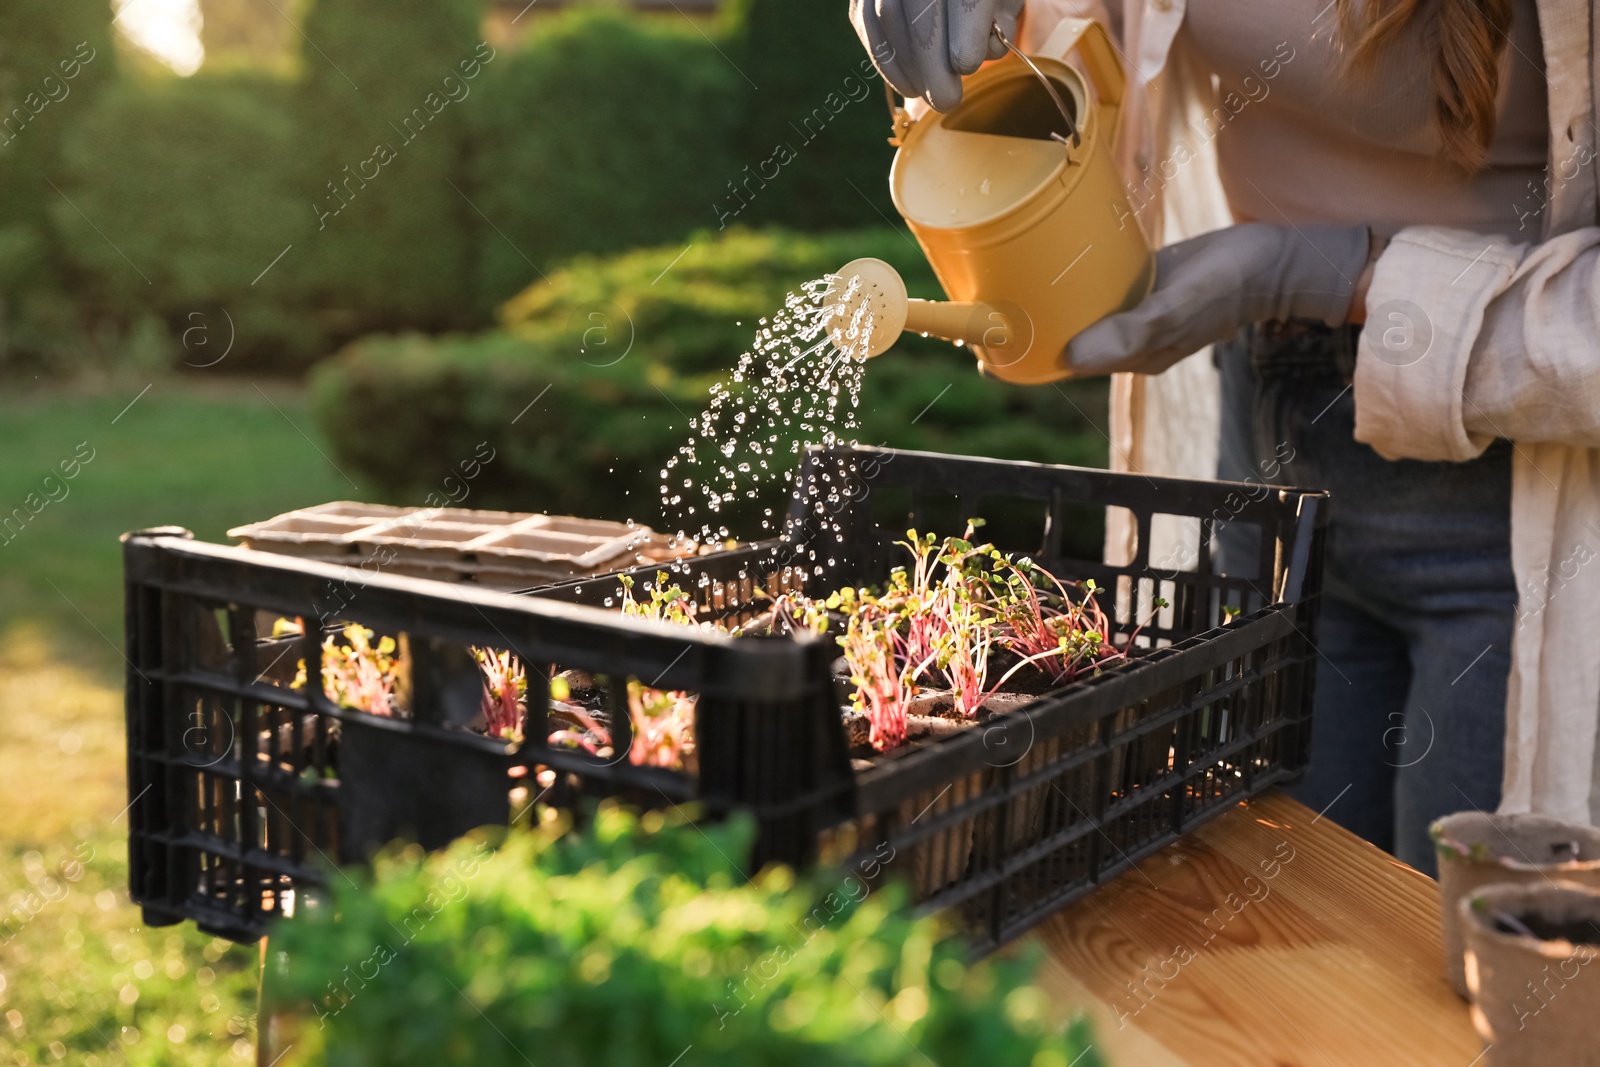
column 303, row 250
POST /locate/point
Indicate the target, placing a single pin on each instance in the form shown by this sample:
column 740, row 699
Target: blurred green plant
column 589, row 386
column 629, row 945
column 55, row 59
column 180, row 200
column 820, row 99
column 604, row 131
column 238, row 34
column 410, row 175
column 383, row 137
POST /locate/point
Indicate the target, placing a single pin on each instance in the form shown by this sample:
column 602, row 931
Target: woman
column 1423, row 167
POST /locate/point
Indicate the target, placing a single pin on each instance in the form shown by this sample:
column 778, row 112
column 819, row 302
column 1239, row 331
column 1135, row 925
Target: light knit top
column 1301, row 139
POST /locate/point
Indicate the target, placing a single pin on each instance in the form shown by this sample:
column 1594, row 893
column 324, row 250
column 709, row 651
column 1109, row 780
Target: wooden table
column 1269, row 936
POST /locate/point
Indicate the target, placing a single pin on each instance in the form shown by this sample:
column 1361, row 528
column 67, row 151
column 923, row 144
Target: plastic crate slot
column 1017, row 524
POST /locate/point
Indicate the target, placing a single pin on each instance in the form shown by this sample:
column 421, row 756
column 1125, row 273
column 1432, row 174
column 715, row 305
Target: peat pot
column 1531, row 966
column 1477, row 849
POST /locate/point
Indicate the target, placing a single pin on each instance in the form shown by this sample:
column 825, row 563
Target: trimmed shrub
column 249, row 35
column 186, row 186
column 815, row 138
column 55, row 59
column 603, row 132
column 451, row 178
column 633, row 942
column 57, row 56
column 384, row 136
column 588, row 388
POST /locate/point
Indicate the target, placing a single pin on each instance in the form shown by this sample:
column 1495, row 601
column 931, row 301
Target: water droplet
column 795, row 370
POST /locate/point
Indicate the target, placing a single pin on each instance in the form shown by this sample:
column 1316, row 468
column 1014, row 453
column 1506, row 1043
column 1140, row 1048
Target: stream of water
column 799, row 384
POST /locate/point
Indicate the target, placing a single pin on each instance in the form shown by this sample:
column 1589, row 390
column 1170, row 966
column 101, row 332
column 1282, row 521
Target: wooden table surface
column 1269, row 936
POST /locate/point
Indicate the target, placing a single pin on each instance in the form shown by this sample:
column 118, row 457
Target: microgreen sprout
column 667, row 603
column 663, row 720
column 663, row 725
column 357, row 674
column 940, row 619
column 882, row 688
column 955, row 612
column 592, row 737
column 505, row 692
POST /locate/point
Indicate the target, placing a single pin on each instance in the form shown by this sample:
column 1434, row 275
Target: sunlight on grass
column 82, row 981
column 56, row 721
column 204, row 457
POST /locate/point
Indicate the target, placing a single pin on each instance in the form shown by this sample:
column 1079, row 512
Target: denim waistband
column 1302, row 349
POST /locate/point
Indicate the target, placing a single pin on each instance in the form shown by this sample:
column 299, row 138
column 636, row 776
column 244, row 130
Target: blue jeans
column 1419, row 599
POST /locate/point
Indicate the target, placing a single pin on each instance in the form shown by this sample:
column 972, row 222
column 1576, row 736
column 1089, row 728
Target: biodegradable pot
column 1476, row 849
column 941, row 858
column 1534, row 998
column 1047, row 799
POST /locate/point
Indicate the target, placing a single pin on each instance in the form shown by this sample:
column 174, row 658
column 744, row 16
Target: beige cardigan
column 1514, row 352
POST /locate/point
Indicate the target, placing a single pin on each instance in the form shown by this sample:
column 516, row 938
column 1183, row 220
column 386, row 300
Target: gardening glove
column 923, row 47
column 1210, row 286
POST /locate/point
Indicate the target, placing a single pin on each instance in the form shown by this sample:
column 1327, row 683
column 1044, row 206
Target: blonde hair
column 1471, row 39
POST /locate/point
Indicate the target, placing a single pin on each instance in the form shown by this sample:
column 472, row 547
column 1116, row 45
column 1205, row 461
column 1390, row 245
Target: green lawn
column 207, row 458
column 81, row 981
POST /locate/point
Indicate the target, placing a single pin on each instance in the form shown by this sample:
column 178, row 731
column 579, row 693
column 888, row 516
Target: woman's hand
column 1210, row 286
column 923, row 47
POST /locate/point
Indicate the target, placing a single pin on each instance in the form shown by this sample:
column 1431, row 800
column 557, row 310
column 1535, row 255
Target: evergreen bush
column 385, row 142
column 180, row 201
column 604, row 132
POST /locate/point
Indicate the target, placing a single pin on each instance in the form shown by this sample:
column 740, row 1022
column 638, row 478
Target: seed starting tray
column 501, row 549
column 244, row 790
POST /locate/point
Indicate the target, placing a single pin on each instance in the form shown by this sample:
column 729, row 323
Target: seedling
column 882, row 686
column 663, row 720
column 505, row 693
column 357, row 674
column 667, row 603
column 663, row 725
column 940, row 621
column 592, row 737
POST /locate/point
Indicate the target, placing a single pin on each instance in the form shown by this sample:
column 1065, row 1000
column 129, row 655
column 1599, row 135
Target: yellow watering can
column 1018, row 205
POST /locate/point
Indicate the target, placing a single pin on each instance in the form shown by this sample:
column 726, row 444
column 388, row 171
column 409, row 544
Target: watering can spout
column 869, row 311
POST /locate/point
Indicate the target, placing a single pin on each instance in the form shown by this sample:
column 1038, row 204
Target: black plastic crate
column 243, row 790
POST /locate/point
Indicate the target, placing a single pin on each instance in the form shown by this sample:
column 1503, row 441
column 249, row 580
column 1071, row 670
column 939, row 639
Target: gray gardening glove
column 1210, row 286
column 922, row 47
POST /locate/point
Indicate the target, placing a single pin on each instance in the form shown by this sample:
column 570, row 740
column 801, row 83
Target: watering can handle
column 1049, row 87
column 1100, row 63
column 898, row 115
